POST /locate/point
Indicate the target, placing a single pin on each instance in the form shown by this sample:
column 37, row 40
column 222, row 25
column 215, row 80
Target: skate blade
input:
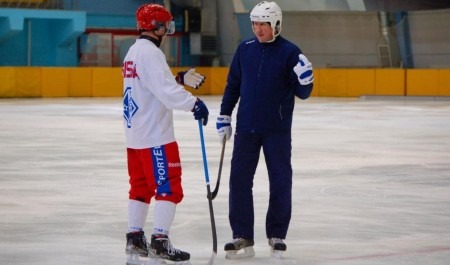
column 236, row 254
column 160, row 261
column 134, row 259
column 156, row 261
column 276, row 254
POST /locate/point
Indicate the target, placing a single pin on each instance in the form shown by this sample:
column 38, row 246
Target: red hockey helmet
column 153, row 16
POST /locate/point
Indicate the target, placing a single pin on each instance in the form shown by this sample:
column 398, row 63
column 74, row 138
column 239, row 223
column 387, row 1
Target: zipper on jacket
column 263, row 49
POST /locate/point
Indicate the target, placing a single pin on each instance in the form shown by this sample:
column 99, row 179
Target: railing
column 40, row 4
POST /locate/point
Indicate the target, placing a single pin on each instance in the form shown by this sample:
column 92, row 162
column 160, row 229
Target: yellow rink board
column 390, row 82
column 55, row 82
column 80, row 82
column 333, row 83
column 107, row 82
column 316, row 86
column 360, row 82
column 422, row 82
column 23, row 82
column 8, row 83
column 444, row 82
column 28, row 82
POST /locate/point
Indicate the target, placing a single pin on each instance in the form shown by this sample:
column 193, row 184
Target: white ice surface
column 371, row 185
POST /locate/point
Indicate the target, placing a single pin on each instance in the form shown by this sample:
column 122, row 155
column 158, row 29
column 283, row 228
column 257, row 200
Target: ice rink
column 371, row 184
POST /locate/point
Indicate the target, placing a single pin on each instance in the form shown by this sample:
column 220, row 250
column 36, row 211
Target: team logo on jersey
column 129, row 106
column 129, row 70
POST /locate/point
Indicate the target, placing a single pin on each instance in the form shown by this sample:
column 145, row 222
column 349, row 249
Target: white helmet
column 268, row 12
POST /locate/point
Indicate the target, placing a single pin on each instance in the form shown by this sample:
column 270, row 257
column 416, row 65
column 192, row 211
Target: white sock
column 164, row 215
column 137, row 214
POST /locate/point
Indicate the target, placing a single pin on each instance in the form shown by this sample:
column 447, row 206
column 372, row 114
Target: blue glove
column 223, row 125
column 304, row 70
column 201, row 111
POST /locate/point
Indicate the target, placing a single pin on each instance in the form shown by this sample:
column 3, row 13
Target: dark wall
column 405, row 5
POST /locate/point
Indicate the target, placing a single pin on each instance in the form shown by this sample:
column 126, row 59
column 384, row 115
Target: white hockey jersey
column 150, row 94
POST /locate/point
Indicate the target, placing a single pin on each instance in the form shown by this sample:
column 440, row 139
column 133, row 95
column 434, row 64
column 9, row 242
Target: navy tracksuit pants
column 277, row 148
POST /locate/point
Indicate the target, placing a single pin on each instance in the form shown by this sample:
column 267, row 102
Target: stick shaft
column 208, row 189
column 216, row 189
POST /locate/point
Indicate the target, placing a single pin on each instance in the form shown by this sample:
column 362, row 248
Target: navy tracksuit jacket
column 261, row 78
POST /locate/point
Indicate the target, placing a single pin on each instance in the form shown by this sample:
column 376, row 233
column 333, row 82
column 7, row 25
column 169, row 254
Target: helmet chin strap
column 273, row 38
column 159, row 39
column 270, row 41
column 275, row 33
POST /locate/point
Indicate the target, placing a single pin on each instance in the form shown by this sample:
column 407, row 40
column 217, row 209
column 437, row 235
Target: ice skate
column 136, row 247
column 277, row 247
column 233, row 249
column 154, row 259
column 161, row 250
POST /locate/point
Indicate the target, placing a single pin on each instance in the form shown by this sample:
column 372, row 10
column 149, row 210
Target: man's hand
column 223, row 125
column 304, row 70
column 190, row 78
column 201, row 111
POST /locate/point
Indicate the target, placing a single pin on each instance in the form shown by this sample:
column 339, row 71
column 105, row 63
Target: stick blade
column 211, row 259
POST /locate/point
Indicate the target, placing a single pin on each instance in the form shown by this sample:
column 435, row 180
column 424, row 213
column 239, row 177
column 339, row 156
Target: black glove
column 200, row 111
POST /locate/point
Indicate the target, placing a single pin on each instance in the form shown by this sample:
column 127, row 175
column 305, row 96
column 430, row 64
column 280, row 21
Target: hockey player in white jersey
column 150, row 94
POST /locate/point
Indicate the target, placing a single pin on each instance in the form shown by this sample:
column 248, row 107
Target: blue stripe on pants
column 160, row 170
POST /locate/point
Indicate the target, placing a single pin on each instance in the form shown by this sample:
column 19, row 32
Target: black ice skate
column 238, row 244
column 277, row 247
column 136, row 247
column 161, row 248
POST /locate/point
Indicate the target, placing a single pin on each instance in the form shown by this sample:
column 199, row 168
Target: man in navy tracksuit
column 266, row 74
